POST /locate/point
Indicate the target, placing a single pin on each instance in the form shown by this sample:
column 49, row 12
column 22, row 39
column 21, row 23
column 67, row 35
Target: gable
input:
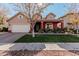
column 70, row 18
column 19, row 19
column 37, row 16
column 50, row 16
column 17, row 15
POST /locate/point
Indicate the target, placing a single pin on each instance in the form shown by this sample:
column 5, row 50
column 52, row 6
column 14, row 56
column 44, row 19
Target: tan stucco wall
column 17, row 21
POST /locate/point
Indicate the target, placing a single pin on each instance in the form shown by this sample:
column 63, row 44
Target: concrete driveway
column 10, row 37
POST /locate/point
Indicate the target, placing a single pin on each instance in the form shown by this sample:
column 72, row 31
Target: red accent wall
column 62, row 25
column 54, row 25
column 43, row 24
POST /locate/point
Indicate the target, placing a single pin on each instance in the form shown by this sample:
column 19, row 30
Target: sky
column 59, row 9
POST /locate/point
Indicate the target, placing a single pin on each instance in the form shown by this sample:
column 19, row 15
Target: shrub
column 48, row 30
column 65, row 29
column 5, row 29
column 41, row 31
column 0, row 29
column 70, row 30
column 58, row 30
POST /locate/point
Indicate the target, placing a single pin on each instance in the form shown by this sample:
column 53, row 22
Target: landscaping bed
column 47, row 38
column 41, row 53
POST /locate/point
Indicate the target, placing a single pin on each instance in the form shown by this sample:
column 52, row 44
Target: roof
column 54, row 20
column 50, row 14
column 17, row 15
column 68, row 15
column 37, row 14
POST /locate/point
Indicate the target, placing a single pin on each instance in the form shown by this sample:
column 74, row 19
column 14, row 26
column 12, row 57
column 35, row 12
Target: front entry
column 37, row 27
column 48, row 26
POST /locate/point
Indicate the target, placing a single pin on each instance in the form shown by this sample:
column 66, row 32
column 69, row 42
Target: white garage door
column 21, row 28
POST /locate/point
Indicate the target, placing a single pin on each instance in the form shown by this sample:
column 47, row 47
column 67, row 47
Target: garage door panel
column 21, row 28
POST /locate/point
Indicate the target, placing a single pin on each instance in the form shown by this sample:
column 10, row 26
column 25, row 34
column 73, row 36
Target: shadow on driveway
column 72, row 48
column 28, row 49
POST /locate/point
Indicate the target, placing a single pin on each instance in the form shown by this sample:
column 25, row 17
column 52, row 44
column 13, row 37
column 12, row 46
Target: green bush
column 65, row 29
column 41, row 31
column 58, row 30
column 48, row 30
column 4, row 29
column 75, row 31
column 0, row 30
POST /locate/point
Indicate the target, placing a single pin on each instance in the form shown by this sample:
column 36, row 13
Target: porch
column 48, row 25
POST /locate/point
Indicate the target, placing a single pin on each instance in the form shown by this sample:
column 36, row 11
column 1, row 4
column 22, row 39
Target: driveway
column 10, row 37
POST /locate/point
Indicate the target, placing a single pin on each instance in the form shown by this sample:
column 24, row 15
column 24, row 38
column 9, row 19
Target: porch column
column 41, row 24
column 52, row 25
column 62, row 24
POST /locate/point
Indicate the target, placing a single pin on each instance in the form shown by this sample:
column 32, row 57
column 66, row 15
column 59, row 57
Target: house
column 71, row 20
column 3, row 19
column 48, row 22
column 37, row 16
column 3, row 22
column 19, row 23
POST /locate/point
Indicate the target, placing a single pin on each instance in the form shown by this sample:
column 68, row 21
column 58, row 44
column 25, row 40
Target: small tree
column 1, row 20
column 3, row 13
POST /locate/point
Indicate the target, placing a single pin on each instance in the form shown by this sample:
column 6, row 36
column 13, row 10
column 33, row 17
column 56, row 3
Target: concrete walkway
column 39, row 46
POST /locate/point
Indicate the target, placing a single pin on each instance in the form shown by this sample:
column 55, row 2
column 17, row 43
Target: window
column 59, row 25
column 49, row 26
column 20, row 17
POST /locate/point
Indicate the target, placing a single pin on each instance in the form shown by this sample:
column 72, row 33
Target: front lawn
column 48, row 38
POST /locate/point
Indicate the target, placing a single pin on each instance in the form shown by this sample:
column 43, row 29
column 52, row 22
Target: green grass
column 48, row 38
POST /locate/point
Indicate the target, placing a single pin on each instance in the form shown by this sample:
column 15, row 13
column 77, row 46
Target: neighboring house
column 37, row 16
column 50, row 16
column 71, row 20
column 3, row 22
column 19, row 23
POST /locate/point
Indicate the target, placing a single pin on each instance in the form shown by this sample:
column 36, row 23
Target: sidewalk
column 39, row 46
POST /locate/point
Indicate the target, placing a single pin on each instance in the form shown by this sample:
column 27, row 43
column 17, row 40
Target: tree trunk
column 33, row 33
column 77, row 31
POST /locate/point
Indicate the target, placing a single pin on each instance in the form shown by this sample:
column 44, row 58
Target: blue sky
column 59, row 9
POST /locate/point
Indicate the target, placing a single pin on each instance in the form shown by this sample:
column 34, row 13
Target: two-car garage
column 21, row 28
column 19, row 23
